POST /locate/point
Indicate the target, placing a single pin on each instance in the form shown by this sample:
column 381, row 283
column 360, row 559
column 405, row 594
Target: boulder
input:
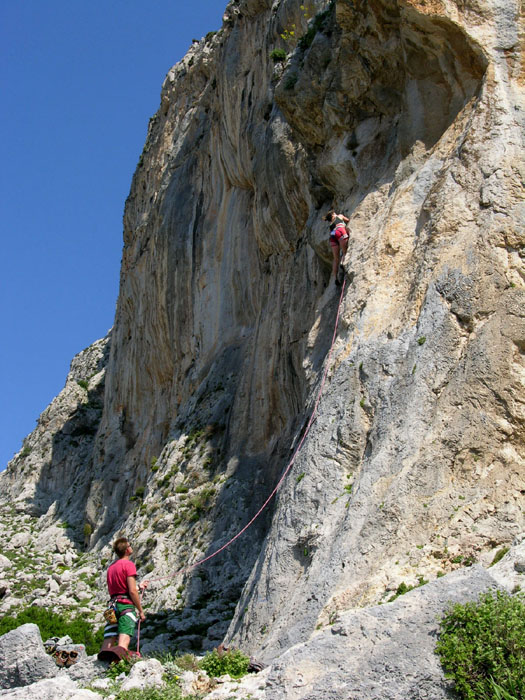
column 52, row 586
column 194, row 683
column 144, row 674
column 252, row 686
column 509, row 571
column 60, row 688
column 384, row 652
column 21, row 539
column 87, row 669
column 23, row 659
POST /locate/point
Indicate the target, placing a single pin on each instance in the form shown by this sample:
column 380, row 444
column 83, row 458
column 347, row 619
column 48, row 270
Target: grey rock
column 508, row 571
column 23, row 659
column 60, row 688
column 379, row 653
column 144, row 674
column 87, row 669
column 21, row 539
column 519, row 565
column 160, row 643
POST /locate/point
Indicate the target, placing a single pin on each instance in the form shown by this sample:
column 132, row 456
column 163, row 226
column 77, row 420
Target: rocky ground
column 42, row 566
column 383, row 652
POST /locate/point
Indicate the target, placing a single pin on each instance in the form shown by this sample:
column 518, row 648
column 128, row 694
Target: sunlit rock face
column 407, row 116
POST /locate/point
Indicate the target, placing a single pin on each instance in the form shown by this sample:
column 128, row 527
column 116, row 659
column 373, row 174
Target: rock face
column 379, row 653
column 407, row 116
column 24, row 660
column 52, row 472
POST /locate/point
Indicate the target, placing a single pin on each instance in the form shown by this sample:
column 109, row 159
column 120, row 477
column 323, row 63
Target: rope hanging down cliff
column 185, row 569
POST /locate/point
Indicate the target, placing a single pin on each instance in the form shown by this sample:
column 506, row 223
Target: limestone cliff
column 407, row 115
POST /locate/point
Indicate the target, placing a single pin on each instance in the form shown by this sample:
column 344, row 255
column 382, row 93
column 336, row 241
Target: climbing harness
column 285, row 472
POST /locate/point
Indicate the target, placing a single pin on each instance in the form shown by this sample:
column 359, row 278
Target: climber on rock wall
column 339, row 236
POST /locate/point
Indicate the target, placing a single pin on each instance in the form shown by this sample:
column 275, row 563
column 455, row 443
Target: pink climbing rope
column 138, row 629
column 288, row 467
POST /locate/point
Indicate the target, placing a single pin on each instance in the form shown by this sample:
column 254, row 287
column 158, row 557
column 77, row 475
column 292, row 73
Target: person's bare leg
column 335, row 262
column 343, row 247
column 124, row 640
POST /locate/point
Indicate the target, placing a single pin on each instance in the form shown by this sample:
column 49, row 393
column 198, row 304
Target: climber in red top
column 338, row 239
column 124, row 594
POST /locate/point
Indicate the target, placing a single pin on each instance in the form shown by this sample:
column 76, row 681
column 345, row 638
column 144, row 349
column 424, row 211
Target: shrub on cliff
column 232, row 662
column 482, row 647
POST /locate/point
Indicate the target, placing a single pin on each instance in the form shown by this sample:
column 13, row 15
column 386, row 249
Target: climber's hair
column 120, row 546
column 328, row 215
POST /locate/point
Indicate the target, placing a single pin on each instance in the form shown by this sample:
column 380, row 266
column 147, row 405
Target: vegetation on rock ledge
column 482, row 647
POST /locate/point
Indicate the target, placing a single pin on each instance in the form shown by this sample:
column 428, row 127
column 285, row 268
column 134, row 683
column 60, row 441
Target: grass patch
column 499, row 555
column 404, row 588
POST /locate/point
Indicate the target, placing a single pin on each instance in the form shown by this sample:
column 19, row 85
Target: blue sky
column 79, row 82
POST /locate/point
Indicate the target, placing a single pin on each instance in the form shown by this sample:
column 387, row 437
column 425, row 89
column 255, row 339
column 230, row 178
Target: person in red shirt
column 124, row 594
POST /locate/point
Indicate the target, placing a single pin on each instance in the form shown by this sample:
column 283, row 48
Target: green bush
column 26, row 450
column 278, row 55
column 482, row 645
column 117, row 667
column 53, row 624
column 403, row 588
column 233, row 662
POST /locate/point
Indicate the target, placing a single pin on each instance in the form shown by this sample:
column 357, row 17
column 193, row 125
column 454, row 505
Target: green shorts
column 127, row 620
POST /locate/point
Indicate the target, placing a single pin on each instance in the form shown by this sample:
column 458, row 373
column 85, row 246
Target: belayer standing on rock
column 338, row 240
column 125, row 596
